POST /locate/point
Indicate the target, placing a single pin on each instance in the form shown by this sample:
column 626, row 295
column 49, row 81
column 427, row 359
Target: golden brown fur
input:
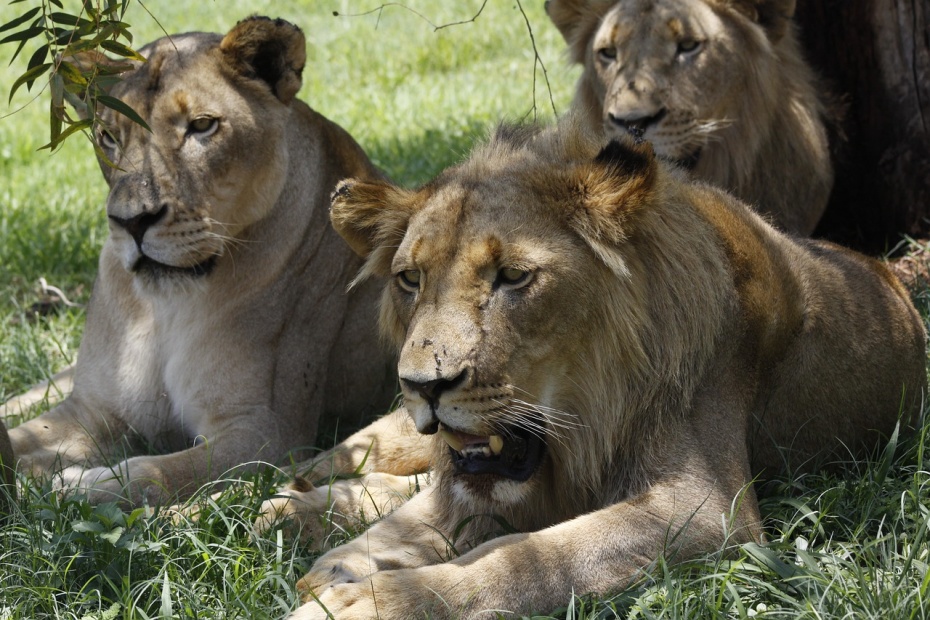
column 726, row 88
column 219, row 331
column 641, row 346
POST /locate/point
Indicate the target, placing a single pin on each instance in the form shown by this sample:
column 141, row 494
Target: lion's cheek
column 247, row 193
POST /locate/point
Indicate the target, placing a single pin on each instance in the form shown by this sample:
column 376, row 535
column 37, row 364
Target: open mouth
column 516, row 454
column 146, row 265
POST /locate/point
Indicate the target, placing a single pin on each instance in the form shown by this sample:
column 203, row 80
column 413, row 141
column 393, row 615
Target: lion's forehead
column 179, row 48
column 633, row 23
column 183, row 62
column 488, row 227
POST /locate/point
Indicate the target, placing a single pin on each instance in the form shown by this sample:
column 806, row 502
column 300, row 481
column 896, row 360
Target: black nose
column 138, row 224
column 637, row 126
column 432, row 390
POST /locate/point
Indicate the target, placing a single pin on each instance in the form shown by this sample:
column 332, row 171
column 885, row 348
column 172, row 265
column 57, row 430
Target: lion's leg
column 67, row 436
column 51, row 392
column 158, row 479
column 601, row 552
column 396, row 569
column 241, row 441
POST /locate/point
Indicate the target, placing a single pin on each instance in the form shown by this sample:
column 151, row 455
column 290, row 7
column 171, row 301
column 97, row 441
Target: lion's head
column 717, row 85
column 518, row 294
column 215, row 160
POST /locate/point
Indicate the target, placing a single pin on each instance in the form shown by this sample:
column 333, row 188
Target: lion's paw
column 97, row 484
column 332, row 570
column 303, row 514
column 346, row 601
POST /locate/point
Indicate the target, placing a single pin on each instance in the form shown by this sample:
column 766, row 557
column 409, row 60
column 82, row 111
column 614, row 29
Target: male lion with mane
column 218, row 331
column 603, row 355
column 717, row 85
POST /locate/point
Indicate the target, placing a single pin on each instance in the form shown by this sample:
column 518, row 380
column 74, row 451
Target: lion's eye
column 688, row 46
column 203, row 126
column 607, row 54
column 409, row 280
column 106, row 140
column 511, row 276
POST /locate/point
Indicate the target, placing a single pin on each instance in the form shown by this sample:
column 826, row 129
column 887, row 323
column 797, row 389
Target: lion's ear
column 372, row 217
column 612, row 188
column 271, row 50
column 577, row 20
column 773, row 15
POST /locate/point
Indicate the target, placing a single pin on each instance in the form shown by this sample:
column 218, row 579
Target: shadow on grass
column 412, row 161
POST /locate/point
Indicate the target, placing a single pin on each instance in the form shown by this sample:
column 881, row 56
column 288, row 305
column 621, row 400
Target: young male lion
column 718, row 85
column 218, row 331
column 605, row 355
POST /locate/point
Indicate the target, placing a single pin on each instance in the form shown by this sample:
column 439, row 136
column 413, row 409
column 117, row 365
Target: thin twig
column 537, row 59
column 381, row 8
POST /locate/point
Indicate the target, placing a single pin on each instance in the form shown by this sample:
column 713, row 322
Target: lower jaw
column 490, row 494
column 151, row 268
column 490, row 471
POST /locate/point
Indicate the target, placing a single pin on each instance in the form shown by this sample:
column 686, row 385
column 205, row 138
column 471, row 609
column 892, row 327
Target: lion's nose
column 138, row 224
column 637, row 126
column 431, row 390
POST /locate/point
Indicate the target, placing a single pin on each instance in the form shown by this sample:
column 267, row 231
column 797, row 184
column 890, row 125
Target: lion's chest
column 190, row 363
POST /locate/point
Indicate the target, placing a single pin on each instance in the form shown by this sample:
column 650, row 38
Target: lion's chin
column 151, row 268
column 515, row 455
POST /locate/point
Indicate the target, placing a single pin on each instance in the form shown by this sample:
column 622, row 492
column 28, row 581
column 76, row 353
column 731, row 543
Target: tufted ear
column 372, row 217
column 271, row 50
column 774, row 16
column 611, row 189
column 577, row 20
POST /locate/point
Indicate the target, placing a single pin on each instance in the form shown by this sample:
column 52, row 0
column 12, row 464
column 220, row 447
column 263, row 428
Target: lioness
column 718, row 85
column 605, row 354
column 218, row 331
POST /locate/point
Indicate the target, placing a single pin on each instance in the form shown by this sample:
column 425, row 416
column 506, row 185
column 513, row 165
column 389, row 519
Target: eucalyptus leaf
column 28, row 77
column 22, row 19
column 72, row 129
column 115, row 104
column 119, row 49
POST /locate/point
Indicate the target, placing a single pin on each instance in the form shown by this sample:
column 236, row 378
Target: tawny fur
column 239, row 364
column 671, row 344
column 744, row 101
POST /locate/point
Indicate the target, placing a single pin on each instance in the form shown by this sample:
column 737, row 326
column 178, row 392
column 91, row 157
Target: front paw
column 332, row 571
column 130, row 484
column 303, row 511
column 426, row 592
column 347, row 601
column 97, row 484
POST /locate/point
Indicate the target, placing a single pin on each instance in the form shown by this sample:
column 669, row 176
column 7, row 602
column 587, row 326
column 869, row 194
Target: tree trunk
column 875, row 56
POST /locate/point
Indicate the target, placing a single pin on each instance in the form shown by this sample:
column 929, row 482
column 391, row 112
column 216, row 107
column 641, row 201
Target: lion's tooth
column 454, row 442
column 497, row 443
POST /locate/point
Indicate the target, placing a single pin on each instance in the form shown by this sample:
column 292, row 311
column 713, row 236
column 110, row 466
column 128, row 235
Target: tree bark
column 875, row 56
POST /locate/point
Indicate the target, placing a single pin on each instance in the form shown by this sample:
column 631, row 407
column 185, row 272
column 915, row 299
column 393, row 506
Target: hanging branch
column 96, row 26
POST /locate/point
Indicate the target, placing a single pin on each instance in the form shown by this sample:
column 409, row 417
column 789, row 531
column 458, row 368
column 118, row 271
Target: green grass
column 850, row 545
